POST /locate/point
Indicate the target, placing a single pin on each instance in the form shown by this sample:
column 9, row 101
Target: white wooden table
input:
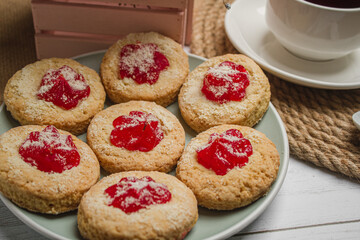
column 313, row 203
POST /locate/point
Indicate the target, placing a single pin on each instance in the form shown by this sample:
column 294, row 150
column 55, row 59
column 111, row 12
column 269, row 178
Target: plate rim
column 294, row 78
column 221, row 235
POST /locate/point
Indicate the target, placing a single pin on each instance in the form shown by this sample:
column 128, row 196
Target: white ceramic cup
column 312, row 31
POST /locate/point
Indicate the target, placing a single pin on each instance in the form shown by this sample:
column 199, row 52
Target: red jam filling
column 64, row 87
column 138, row 131
column 225, row 82
column 49, row 151
column 142, row 62
column 225, row 151
column 131, row 194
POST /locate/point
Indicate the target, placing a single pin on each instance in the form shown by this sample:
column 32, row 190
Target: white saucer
column 247, row 30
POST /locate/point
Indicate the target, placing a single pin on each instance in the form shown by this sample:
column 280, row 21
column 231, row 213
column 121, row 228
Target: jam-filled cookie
column 144, row 66
column 137, row 205
column 136, row 135
column 228, row 89
column 229, row 166
column 55, row 91
column 44, row 169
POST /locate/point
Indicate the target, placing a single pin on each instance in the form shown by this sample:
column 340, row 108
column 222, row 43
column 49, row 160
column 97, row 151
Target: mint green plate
column 211, row 224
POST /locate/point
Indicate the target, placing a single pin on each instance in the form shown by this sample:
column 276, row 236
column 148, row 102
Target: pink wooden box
column 66, row 28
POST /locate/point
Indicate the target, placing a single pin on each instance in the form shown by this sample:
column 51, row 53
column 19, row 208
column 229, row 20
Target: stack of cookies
column 45, row 168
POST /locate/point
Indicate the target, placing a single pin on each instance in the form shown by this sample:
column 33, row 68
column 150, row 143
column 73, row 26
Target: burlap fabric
column 318, row 122
column 16, row 38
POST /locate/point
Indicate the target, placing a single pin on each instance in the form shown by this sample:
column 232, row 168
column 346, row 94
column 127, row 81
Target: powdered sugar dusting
column 225, row 82
column 50, row 151
column 223, row 71
column 48, row 139
column 68, row 74
column 131, row 194
column 48, row 84
column 142, row 58
column 138, row 131
column 225, row 151
column 142, row 63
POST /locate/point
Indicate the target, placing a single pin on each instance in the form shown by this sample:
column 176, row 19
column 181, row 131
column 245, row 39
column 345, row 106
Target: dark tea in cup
column 337, row 3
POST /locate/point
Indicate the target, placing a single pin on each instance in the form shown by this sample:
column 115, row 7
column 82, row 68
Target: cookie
column 228, row 89
column 137, row 205
column 45, row 170
column 144, row 66
column 136, row 135
column 229, row 166
column 55, row 91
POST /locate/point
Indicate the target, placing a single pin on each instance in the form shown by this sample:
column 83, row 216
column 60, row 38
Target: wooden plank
column 309, row 196
column 11, row 228
column 106, row 20
column 48, row 45
column 179, row 4
column 348, row 231
column 189, row 18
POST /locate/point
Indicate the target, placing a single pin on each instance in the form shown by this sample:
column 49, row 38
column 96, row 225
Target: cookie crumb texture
column 39, row 191
column 20, row 97
column 171, row 220
column 166, row 88
column 240, row 186
column 201, row 113
column 163, row 157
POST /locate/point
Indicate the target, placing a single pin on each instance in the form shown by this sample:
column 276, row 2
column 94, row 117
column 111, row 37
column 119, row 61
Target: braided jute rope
column 318, row 122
